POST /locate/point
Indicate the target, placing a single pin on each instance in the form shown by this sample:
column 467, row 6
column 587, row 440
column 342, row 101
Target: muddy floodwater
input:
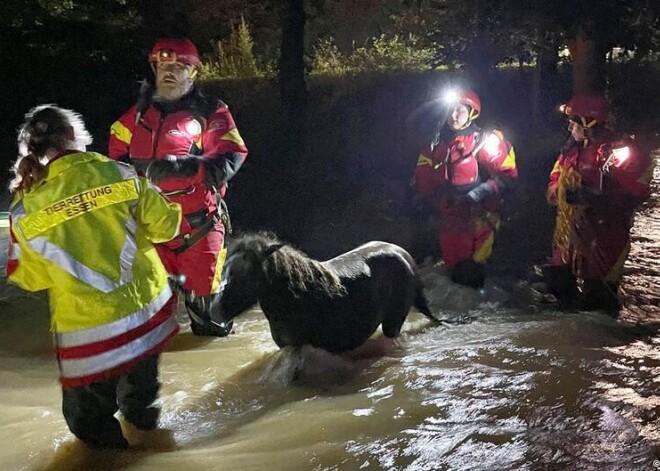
column 517, row 386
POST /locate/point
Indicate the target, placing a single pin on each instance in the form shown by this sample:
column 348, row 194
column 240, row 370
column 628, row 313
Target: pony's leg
column 400, row 300
column 392, row 325
column 396, row 311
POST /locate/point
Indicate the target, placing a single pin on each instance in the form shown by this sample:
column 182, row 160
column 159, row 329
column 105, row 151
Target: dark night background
column 331, row 156
column 334, row 99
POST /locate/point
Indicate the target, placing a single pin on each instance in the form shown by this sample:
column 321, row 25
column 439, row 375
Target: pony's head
column 243, row 275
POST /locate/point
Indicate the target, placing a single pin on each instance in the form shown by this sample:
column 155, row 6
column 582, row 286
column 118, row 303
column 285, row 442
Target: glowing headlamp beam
column 450, row 96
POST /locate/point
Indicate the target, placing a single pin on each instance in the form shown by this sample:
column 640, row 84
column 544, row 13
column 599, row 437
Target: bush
column 327, row 59
column 383, row 55
column 234, row 57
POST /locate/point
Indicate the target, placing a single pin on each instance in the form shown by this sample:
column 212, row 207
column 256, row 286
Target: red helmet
column 471, row 99
column 588, row 106
column 175, row 50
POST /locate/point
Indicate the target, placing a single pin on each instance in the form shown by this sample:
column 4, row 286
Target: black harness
column 203, row 223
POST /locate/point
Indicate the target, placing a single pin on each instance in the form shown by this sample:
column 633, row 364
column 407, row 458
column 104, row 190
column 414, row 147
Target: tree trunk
column 545, row 74
column 291, row 149
column 589, row 75
column 293, row 88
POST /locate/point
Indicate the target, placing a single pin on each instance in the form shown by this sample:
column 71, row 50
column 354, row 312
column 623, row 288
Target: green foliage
column 234, row 57
column 328, row 59
column 57, row 7
column 383, row 55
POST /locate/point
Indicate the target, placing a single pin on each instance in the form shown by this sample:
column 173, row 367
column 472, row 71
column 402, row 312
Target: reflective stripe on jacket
column 155, row 134
column 86, row 234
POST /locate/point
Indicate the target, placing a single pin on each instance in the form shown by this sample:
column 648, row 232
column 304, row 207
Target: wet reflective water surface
column 517, row 386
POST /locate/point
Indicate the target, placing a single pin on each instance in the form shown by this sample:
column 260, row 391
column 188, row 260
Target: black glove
column 173, row 166
column 476, row 195
column 462, row 201
column 582, row 196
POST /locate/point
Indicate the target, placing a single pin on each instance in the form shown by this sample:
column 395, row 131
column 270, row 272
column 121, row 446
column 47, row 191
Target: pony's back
column 337, row 304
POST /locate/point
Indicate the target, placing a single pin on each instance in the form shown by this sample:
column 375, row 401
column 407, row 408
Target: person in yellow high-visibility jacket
column 82, row 227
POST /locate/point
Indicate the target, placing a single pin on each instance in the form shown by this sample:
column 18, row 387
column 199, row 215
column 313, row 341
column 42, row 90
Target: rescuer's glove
column 173, row 166
column 479, row 193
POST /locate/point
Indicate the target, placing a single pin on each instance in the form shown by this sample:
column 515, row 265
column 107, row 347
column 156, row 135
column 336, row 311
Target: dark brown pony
column 335, row 305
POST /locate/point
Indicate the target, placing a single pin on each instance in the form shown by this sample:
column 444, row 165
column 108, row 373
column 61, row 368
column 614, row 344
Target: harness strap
column 191, row 239
column 475, row 150
column 220, row 215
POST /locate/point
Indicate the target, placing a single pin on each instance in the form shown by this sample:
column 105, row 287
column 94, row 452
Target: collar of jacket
column 64, row 162
column 62, row 154
column 448, row 135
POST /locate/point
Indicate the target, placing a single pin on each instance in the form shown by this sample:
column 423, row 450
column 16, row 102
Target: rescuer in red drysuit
column 597, row 182
column 461, row 176
column 188, row 145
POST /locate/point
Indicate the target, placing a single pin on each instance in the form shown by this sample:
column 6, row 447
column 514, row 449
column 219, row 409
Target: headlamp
column 620, row 154
column 450, row 97
column 170, row 56
column 166, row 55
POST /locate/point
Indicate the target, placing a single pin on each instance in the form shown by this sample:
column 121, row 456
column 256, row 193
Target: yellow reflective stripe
column 215, row 286
column 483, row 252
column 616, row 272
column 510, row 160
column 233, row 136
column 121, row 132
column 77, row 205
column 555, row 168
column 424, row 160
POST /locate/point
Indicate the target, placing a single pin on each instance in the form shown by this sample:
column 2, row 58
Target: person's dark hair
column 46, row 127
column 28, row 171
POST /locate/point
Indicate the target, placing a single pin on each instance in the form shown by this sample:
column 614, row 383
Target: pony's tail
column 421, row 304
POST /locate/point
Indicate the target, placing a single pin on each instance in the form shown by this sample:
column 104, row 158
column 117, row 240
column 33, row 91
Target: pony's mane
column 304, row 274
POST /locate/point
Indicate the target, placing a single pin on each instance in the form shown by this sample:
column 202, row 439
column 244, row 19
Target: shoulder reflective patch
column 510, row 159
column 121, row 132
column 556, row 168
column 423, row 160
column 233, row 136
column 76, row 205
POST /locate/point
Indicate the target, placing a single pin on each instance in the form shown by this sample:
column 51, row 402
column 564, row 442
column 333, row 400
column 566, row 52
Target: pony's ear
column 271, row 249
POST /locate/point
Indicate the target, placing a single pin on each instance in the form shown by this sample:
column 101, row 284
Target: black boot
column 468, row 273
column 599, row 295
column 199, row 310
column 561, row 283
